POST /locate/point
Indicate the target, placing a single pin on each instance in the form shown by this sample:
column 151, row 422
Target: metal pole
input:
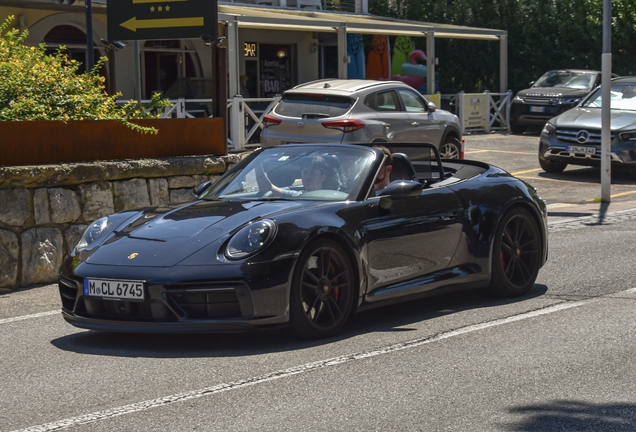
column 112, row 86
column 343, row 58
column 430, row 62
column 606, row 114
column 136, row 53
column 90, row 51
column 503, row 63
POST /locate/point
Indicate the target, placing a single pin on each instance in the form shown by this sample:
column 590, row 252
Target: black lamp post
column 90, row 51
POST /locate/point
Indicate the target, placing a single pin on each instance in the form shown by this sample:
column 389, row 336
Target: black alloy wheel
column 322, row 289
column 516, row 254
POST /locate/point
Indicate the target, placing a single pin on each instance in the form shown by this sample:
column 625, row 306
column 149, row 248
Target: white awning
column 326, row 21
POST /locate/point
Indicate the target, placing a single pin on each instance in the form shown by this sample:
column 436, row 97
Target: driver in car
column 384, row 175
column 313, row 176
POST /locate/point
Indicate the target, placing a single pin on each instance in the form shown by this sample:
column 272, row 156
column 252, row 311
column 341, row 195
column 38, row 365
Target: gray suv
column 574, row 137
column 360, row 111
column 555, row 92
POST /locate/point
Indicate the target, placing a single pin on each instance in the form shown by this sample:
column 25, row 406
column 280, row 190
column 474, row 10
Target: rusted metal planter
column 48, row 142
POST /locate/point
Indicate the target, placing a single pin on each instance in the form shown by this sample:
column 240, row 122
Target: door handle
column 415, row 123
column 386, row 125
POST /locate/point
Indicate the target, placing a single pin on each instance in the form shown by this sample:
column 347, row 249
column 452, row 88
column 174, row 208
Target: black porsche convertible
column 297, row 236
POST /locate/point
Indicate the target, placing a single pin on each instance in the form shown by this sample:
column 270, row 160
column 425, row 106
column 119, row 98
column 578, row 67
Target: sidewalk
column 560, row 212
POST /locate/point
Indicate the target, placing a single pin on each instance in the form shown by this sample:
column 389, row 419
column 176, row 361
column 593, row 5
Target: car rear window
column 313, row 105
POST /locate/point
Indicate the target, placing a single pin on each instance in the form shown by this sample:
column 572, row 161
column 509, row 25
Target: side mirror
column 431, row 107
column 202, row 190
column 402, row 187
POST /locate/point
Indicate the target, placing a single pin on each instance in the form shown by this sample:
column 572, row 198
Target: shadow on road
column 563, row 415
column 384, row 319
column 590, row 175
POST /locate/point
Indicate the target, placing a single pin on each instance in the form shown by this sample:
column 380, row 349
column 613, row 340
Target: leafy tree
column 38, row 86
column 542, row 35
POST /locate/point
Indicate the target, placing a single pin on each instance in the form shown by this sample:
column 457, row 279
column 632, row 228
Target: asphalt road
column 561, row 358
column 518, row 154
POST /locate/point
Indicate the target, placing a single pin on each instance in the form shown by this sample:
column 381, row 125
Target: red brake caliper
column 336, row 290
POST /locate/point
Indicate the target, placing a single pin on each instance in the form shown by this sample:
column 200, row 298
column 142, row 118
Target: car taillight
column 268, row 121
column 461, row 153
column 344, row 125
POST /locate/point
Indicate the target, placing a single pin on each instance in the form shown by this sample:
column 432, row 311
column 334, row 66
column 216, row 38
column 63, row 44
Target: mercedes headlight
column 92, row 233
column 627, row 136
column 548, row 129
column 250, row 239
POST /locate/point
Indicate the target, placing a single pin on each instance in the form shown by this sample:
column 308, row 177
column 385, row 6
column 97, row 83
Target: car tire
column 552, row 167
column 450, row 149
column 516, row 254
column 516, row 128
column 322, row 290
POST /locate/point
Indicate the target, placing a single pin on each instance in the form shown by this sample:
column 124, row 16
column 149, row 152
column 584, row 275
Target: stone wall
column 44, row 210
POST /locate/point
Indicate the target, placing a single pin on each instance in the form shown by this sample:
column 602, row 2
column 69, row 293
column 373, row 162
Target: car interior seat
column 402, row 168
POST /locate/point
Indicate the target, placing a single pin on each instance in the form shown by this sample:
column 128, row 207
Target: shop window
column 75, row 41
column 276, row 73
column 166, row 62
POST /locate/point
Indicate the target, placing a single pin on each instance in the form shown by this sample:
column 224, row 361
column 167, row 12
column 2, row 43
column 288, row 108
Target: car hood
column 162, row 237
column 553, row 92
column 590, row 118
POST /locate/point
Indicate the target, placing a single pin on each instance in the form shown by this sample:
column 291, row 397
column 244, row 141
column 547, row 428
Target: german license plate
column 537, row 109
column 114, row 289
column 581, row 149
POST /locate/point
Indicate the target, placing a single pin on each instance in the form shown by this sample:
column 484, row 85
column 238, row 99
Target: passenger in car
column 313, row 175
column 384, row 175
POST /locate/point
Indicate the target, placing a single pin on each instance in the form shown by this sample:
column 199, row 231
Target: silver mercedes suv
column 360, row 111
column 574, row 137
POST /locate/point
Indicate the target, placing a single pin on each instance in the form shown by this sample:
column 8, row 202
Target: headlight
column 548, row 129
column 92, row 233
column 517, row 99
column 627, row 136
column 250, row 239
column 570, row 100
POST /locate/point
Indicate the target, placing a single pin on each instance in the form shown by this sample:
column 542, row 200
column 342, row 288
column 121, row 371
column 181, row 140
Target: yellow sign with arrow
column 133, row 24
column 161, row 19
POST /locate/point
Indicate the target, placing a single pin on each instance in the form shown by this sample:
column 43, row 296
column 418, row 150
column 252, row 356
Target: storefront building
column 270, row 46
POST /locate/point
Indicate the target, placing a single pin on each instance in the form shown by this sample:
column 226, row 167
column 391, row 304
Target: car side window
column 386, row 101
column 371, row 101
column 412, row 101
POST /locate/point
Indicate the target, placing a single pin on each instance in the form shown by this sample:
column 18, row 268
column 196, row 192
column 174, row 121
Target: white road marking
column 308, row 367
column 25, row 317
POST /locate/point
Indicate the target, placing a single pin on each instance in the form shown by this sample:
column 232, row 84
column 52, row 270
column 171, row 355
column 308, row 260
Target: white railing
column 476, row 111
column 182, row 108
column 194, row 108
column 245, row 119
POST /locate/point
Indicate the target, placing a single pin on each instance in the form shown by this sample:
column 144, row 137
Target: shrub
column 40, row 86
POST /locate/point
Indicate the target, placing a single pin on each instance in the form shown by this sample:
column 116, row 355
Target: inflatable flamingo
column 413, row 72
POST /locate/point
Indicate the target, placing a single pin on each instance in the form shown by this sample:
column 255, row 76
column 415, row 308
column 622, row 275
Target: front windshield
column 299, row 172
column 622, row 96
column 568, row 79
